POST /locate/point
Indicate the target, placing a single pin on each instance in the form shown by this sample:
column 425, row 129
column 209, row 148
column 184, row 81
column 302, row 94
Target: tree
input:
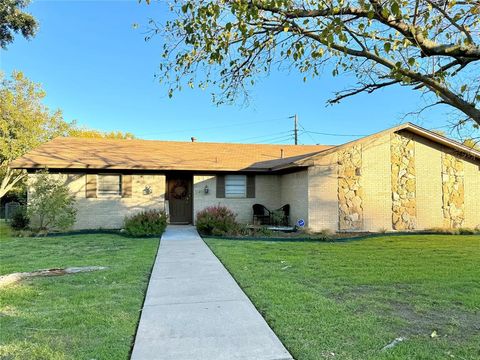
column 25, row 123
column 51, row 204
column 472, row 143
column 432, row 46
column 14, row 20
column 84, row 132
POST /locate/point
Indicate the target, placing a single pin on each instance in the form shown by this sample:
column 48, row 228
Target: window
column 109, row 185
column 235, row 186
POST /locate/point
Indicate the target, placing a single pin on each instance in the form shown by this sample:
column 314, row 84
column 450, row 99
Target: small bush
column 52, row 206
column 263, row 232
column 217, row 220
column 146, row 223
column 456, row 231
column 467, row 231
column 20, row 220
column 382, row 230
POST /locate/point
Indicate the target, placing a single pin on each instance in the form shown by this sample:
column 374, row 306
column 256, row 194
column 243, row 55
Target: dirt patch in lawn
column 453, row 322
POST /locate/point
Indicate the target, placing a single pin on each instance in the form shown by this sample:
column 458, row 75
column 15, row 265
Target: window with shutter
column 109, row 185
column 235, row 186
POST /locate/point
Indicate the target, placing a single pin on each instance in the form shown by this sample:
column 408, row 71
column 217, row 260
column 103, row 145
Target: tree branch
column 368, row 88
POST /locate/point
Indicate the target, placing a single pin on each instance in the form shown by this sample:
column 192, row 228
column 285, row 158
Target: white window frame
column 99, row 192
column 237, row 182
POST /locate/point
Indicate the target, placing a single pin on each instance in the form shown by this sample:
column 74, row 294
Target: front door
column 180, row 198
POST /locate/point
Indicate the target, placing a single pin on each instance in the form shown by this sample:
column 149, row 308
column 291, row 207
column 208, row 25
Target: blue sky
column 99, row 70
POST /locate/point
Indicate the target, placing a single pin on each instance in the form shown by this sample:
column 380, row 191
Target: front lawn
column 82, row 316
column 347, row 300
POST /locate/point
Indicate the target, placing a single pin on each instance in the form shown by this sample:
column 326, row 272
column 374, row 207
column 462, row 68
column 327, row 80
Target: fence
column 10, row 209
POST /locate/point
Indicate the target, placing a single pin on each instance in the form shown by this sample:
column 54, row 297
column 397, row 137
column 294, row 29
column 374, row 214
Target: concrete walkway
column 195, row 310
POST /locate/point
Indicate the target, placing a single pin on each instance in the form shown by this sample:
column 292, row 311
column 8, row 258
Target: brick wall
column 109, row 212
column 294, row 191
column 428, row 165
column 267, row 192
column 323, row 194
column 376, row 180
column 312, row 194
column 377, row 184
column 472, row 193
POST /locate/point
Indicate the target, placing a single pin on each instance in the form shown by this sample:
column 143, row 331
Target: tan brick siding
column 472, row 194
column 312, row 194
column 429, row 184
column 323, row 194
column 377, row 184
column 266, row 193
column 294, row 191
column 109, row 212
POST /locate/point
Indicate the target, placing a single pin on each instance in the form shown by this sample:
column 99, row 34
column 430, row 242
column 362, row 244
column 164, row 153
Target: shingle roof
column 409, row 127
column 84, row 153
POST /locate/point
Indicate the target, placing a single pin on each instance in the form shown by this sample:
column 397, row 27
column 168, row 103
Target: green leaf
column 387, row 46
column 395, row 9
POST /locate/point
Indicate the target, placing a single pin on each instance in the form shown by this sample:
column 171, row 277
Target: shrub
column 217, row 220
column 456, row 231
column 263, row 232
column 51, row 206
column 146, row 223
column 468, row 231
column 20, row 219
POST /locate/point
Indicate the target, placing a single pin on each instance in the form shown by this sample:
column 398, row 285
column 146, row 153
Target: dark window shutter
column 127, row 186
column 250, row 186
column 91, row 186
column 220, row 186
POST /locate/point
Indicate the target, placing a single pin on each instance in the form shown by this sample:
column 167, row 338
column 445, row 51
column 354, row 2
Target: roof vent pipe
column 281, row 153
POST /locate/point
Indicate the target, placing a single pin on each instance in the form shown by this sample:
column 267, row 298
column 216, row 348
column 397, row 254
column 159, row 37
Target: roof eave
column 309, row 161
column 134, row 168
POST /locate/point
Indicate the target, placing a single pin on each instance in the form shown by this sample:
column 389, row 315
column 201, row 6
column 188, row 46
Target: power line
column 276, row 139
column 330, row 134
column 212, row 127
column 265, row 136
column 306, row 132
column 273, row 140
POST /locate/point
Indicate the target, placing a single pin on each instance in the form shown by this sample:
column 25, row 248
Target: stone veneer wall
column 350, row 191
column 404, row 205
column 453, row 190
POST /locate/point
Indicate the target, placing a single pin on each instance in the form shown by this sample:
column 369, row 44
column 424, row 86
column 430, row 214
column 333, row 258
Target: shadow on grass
column 327, row 239
column 95, row 232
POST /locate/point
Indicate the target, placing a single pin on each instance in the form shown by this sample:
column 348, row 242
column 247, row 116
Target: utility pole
column 295, row 128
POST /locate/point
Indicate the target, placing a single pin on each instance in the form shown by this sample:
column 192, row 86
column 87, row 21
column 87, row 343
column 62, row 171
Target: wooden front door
column 180, row 198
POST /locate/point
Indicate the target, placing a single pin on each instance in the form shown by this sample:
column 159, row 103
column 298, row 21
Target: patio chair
column 285, row 211
column 261, row 215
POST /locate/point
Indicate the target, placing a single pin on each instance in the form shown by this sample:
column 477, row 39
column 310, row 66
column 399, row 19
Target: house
column 403, row 178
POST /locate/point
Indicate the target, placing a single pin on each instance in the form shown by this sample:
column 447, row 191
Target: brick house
column 403, row 178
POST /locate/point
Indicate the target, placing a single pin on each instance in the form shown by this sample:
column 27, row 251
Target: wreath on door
column 179, row 190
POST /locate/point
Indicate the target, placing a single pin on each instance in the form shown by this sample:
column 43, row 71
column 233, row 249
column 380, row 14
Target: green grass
column 82, row 316
column 352, row 298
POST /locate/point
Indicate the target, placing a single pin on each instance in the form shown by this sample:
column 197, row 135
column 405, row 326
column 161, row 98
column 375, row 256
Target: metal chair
column 261, row 215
